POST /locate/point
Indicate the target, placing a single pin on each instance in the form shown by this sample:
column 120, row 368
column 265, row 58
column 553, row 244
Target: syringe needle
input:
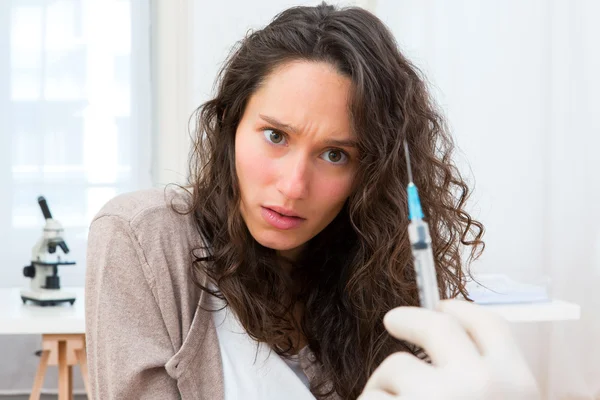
column 408, row 168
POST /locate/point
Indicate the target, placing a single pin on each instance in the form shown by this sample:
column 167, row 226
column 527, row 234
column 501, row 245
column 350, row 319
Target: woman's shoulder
column 133, row 207
column 154, row 214
column 164, row 234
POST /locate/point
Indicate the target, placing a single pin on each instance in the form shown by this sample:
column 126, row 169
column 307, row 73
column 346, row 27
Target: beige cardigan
column 147, row 336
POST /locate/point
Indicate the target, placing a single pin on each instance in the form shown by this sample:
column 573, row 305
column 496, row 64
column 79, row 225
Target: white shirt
column 254, row 371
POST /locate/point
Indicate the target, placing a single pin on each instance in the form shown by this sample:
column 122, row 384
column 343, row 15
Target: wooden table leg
column 70, row 382
column 63, row 372
column 39, row 376
column 64, row 351
column 82, row 360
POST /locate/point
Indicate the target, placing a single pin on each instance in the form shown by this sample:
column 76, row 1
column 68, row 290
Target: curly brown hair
column 360, row 266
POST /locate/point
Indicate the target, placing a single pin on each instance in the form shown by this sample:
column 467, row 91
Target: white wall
column 172, row 76
column 219, row 25
column 488, row 63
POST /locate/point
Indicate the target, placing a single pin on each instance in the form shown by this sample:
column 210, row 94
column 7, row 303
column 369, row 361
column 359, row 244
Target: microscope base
column 47, row 297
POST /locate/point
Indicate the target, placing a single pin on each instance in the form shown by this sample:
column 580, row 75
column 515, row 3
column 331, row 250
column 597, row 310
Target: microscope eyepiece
column 44, row 206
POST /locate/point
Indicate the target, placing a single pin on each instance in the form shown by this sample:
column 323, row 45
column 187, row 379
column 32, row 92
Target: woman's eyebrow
column 342, row 143
column 289, row 128
column 279, row 125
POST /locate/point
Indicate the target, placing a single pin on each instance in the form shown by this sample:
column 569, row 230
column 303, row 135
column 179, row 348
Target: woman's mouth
column 279, row 220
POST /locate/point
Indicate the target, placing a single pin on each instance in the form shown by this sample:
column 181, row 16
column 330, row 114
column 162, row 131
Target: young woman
column 269, row 276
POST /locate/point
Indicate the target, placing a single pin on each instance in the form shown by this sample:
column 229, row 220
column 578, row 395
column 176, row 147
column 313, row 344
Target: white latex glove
column 474, row 357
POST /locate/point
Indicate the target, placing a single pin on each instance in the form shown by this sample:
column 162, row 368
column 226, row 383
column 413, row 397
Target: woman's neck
column 292, row 254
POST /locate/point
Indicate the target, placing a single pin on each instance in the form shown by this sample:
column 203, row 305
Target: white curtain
column 573, row 207
column 520, row 84
column 74, row 127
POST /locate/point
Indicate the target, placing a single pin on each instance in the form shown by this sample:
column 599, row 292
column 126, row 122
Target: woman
column 271, row 274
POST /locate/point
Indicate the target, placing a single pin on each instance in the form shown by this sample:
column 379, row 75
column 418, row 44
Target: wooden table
column 63, row 336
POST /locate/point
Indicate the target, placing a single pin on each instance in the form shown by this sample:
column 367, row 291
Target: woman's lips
column 280, row 221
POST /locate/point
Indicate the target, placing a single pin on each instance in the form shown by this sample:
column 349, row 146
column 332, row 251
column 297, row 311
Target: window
column 74, row 119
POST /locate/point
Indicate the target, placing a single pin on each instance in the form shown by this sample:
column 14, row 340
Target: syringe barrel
column 420, row 240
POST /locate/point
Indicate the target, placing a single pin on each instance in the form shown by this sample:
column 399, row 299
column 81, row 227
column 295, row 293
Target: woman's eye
column 335, row 156
column 273, row 136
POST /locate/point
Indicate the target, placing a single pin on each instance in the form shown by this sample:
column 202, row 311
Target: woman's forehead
column 302, row 94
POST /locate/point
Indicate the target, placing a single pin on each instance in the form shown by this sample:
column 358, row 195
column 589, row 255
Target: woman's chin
column 278, row 245
column 281, row 246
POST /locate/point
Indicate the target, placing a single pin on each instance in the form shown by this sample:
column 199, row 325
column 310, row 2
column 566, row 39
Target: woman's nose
column 294, row 178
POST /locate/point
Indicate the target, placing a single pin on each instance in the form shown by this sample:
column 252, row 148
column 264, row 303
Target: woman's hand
column 473, row 353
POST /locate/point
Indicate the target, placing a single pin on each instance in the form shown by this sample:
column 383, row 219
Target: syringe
column 420, row 240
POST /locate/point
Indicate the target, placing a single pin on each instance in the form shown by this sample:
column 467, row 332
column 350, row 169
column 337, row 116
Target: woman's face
column 295, row 155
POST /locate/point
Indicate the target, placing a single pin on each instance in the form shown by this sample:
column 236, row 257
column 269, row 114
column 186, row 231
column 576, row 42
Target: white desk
column 17, row 318
column 63, row 336
column 555, row 310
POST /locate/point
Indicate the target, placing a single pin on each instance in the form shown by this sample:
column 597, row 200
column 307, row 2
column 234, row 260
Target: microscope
column 47, row 255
